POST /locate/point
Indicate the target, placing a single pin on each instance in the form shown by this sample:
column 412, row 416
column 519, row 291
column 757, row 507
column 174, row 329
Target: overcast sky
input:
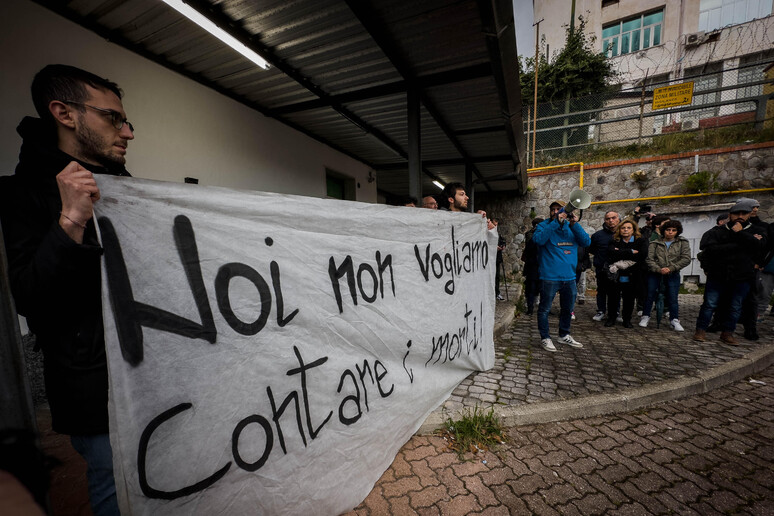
column 525, row 35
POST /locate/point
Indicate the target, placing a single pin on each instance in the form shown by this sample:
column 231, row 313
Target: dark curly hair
column 672, row 224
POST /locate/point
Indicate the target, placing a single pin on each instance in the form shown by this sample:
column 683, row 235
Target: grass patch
column 477, row 430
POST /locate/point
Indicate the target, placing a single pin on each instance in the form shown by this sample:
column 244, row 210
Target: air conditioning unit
column 686, row 124
column 695, row 39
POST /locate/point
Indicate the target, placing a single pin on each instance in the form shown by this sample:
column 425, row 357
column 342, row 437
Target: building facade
column 722, row 46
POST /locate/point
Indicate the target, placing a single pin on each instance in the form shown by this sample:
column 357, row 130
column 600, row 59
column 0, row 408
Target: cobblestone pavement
column 704, row 455
column 611, row 359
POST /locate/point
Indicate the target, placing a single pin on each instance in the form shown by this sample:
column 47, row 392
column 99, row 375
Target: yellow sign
column 671, row 96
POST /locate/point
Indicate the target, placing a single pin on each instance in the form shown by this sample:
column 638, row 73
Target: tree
column 576, row 70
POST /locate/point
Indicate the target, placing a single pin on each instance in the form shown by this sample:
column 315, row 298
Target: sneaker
column 548, row 345
column 572, row 316
column 675, row 323
column 599, row 316
column 618, row 318
column 567, row 339
column 500, row 297
column 639, row 313
column 644, row 321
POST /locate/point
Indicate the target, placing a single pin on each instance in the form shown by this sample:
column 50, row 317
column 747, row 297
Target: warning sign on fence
column 674, row 95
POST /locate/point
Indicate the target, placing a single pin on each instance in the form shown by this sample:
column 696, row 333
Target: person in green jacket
column 666, row 256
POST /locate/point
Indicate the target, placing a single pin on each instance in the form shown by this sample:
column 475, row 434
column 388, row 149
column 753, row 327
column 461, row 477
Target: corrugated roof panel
column 324, row 48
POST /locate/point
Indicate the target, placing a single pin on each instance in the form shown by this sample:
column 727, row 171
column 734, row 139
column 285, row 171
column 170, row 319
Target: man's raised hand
column 78, row 191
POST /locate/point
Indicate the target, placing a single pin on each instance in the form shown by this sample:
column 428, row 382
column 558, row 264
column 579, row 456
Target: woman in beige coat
column 666, row 256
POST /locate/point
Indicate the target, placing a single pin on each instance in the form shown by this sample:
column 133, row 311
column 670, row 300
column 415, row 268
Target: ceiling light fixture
column 438, row 184
column 200, row 20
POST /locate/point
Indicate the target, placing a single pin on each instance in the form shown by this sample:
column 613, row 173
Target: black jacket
column 56, row 283
column 618, row 250
column 530, row 254
column 599, row 242
column 727, row 255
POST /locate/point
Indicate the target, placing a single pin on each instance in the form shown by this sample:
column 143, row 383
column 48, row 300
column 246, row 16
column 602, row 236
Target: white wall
column 183, row 128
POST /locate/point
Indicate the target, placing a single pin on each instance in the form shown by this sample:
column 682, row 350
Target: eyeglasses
column 116, row 118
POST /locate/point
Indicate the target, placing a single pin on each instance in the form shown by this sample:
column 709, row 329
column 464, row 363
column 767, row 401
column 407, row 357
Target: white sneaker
column 572, row 316
column 639, row 313
column 676, row 325
column 567, row 339
column 599, row 316
column 548, row 345
column 644, row 321
column 500, row 297
column 618, row 318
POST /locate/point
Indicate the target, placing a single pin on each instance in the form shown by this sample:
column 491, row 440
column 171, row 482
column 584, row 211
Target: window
column 632, row 34
column 707, row 77
column 339, row 186
column 715, row 14
column 751, row 70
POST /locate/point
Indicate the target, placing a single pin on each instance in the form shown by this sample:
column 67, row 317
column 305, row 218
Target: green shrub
column 701, row 182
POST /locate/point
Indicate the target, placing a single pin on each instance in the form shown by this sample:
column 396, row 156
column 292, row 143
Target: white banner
column 270, row 354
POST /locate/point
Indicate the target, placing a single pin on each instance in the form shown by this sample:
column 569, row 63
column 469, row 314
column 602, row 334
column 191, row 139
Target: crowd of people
column 639, row 267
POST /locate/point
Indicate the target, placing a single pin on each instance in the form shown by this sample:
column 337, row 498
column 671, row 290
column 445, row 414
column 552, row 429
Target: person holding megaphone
column 558, row 240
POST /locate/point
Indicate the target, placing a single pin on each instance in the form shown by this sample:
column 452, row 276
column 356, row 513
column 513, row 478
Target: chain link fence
column 574, row 129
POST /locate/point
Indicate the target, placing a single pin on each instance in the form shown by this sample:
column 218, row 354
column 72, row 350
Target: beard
column 96, row 148
column 460, row 205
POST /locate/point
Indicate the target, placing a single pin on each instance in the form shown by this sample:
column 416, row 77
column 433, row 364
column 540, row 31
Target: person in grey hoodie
column 666, row 256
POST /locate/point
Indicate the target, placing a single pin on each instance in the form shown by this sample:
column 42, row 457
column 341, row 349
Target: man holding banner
column 54, row 255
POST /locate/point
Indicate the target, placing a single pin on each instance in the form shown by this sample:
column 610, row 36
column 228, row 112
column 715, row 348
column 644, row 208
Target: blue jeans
column 567, row 291
column 671, row 290
column 96, row 450
column 713, row 291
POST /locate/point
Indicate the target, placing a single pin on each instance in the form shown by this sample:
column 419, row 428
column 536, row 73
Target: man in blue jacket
column 558, row 239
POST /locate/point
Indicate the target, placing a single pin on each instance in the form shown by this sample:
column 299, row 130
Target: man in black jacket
column 728, row 256
column 599, row 242
column 54, row 256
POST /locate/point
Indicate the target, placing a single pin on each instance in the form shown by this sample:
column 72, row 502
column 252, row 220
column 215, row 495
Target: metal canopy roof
column 341, row 71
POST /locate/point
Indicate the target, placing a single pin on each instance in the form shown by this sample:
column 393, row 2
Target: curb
column 623, row 401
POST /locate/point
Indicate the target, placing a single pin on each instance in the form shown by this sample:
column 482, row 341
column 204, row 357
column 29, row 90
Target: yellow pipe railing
column 727, row 192
column 566, row 165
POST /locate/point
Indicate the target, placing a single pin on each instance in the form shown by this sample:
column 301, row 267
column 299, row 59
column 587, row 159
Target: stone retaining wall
column 740, row 168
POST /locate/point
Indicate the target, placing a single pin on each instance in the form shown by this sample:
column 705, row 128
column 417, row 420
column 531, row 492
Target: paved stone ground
column 708, row 454
column 611, row 359
column 705, row 455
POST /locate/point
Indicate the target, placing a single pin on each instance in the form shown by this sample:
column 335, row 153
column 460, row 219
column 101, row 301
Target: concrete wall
column 183, row 128
column 737, row 169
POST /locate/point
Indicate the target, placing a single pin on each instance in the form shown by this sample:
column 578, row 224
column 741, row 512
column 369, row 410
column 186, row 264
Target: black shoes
column 610, row 322
column 751, row 335
column 627, row 324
